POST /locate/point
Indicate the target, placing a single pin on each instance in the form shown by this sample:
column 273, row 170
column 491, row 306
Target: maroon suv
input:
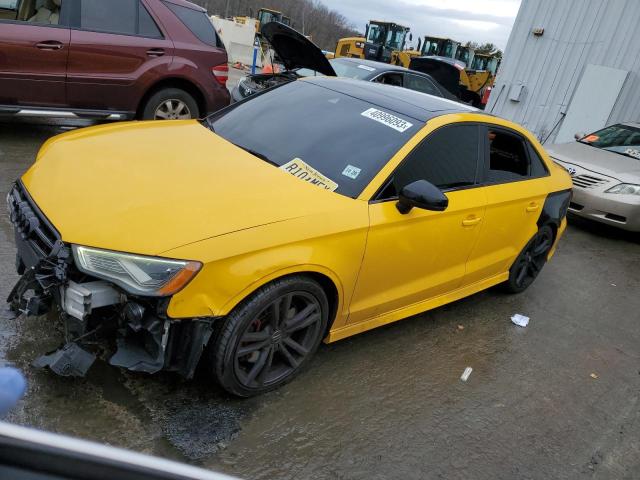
column 149, row 59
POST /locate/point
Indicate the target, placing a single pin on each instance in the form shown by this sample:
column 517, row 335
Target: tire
column 170, row 104
column 261, row 346
column 530, row 262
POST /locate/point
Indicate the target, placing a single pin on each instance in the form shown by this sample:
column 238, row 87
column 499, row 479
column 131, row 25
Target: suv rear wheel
column 170, row 104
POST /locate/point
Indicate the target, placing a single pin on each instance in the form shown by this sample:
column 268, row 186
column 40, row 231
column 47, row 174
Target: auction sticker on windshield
column 303, row 171
column 387, row 119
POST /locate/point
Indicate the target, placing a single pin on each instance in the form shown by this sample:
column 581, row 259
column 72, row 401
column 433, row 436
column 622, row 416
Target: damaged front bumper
column 94, row 311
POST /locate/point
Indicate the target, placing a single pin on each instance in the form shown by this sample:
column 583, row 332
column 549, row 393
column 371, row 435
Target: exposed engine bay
column 253, row 84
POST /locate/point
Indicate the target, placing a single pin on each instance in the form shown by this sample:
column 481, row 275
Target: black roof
column 410, row 103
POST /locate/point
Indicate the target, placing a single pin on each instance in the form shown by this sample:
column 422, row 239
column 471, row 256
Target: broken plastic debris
column 466, row 373
column 594, row 375
column 520, row 320
column 70, row 361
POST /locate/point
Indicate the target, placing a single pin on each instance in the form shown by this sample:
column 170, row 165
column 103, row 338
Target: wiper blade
column 261, row 156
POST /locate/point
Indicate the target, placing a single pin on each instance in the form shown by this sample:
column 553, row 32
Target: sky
column 463, row 20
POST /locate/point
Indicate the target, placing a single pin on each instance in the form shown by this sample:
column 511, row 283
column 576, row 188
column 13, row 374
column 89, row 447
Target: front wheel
column 268, row 339
column 530, row 261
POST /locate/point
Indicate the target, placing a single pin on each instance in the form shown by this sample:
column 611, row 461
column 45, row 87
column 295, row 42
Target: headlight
column 625, row 189
column 139, row 275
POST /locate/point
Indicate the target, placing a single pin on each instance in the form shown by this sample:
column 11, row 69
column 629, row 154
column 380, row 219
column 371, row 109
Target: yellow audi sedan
column 316, row 210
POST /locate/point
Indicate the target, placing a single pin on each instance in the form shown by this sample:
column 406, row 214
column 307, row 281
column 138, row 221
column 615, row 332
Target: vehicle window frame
column 389, row 72
column 479, row 164
column 527, row 151
column 63, row 20
column 435, row 87
column 75, row 21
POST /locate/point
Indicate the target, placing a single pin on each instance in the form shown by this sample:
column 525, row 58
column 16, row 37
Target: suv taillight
column 221, row 72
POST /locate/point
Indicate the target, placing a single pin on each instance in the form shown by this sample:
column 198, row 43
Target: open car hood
column 295, row 50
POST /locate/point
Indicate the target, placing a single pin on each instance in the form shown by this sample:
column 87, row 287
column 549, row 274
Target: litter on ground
column 520, row 320
column 466, row 373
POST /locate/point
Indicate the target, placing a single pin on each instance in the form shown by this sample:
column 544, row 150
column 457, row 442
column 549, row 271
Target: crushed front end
column 88, row 289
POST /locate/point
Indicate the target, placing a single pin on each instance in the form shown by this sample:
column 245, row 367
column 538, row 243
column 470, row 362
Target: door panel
column 413, row 257
column 104, row 68
column 515, row 198
column 33, row 63
column 510, row 221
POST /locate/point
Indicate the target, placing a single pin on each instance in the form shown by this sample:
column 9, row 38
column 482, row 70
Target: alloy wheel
column 533, row 258
column 278, row 340
column 172, row 109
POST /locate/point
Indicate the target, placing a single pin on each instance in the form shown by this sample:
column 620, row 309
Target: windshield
column 266, row 17
column 377, row 34
column 450, row 49
column 395, row 38
column 622, row 139
column 480, row 63
column 430, row 47
column 341, row 138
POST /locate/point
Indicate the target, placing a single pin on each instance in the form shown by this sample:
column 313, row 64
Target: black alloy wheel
column 268, row 340
column 530, row 261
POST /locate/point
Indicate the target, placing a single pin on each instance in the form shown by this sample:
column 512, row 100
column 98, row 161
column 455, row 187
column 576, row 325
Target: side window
column 114, row 16
column 420, row 84
column 448, row 158
column 510, row 158
column 394, row 79
column 8, row 9
column 196, row 21
column 32, row 11
column 538, row 169
column 125, row 17
column 146, row 25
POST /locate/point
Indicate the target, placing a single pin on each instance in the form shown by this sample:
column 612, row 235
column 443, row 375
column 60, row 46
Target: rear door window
column 196, row 21
column 114, row 16
column 122, row 17
column 510, row 157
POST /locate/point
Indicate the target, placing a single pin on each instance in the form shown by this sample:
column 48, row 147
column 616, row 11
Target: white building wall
column 576, row 33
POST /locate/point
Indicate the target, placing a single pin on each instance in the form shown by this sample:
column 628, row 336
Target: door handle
column 155, row 52
column 49, row 45
column 532, row 207
column 471, row 221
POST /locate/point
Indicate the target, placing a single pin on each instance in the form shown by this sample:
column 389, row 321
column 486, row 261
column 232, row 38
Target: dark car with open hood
column 302, row 58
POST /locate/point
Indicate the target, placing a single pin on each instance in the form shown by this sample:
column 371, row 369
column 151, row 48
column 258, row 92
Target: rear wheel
column 170, row 104
column 268, row 340
column 530, row 261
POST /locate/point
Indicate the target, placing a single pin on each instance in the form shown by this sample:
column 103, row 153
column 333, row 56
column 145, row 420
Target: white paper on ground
column 466, row 373
column 520, row 320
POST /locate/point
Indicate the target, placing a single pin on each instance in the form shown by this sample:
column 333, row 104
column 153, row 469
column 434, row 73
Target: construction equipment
column 383, row 39
column 439, row 47
column 350, row 47
column 266, row 15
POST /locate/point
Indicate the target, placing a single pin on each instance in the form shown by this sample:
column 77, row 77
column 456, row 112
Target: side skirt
column 414, row 309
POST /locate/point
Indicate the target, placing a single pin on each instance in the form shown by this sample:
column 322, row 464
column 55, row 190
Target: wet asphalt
column 559, row 399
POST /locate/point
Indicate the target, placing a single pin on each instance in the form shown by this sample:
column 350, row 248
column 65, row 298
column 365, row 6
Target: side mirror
column 421, row 194
column 579, row 135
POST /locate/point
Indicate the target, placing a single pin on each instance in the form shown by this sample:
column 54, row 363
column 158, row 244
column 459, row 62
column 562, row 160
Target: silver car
column 605, row 168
